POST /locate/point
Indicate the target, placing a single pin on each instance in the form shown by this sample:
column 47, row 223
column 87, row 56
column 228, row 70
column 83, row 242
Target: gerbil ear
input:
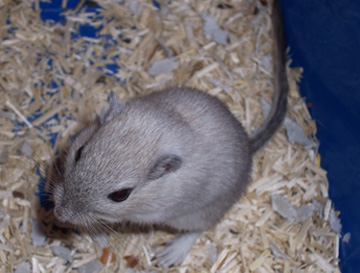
column 165, row 164
column 113, row 108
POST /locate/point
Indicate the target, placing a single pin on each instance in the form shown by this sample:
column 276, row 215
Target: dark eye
column 78, row 153
column 119, row 196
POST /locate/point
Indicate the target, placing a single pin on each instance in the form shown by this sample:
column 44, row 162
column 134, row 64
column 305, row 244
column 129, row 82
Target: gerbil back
column 278, row 109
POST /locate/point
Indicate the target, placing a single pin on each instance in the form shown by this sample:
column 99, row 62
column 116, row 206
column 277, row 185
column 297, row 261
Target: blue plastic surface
column 324, row 38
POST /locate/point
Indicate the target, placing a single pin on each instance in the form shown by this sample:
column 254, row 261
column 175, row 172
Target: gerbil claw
column 113, row 108
column 112, row 100
column 167, row 243
column 111, row 96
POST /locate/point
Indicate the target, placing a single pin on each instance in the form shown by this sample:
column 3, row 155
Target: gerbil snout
column 67, row 214
column 62, row 214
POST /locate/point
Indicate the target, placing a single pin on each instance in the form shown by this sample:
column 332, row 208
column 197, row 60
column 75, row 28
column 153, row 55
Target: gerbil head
column 114, row 171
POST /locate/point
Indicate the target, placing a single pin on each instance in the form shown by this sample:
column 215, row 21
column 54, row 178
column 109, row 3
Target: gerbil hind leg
column 176, row 249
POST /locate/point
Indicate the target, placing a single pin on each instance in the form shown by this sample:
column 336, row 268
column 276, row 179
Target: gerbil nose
column 61, row 214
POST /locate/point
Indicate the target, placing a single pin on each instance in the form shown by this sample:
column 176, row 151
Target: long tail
column 279, row 106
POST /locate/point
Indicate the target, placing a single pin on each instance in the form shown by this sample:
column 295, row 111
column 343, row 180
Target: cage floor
column 58, row 62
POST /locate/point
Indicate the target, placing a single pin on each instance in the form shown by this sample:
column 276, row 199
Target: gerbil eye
column 78, row 153
column 119, row 196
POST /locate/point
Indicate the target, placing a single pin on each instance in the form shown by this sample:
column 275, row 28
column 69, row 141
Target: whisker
column 116, row 245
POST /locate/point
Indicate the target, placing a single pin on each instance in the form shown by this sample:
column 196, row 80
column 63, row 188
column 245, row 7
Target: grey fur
column 196, row 131
column 183, row 153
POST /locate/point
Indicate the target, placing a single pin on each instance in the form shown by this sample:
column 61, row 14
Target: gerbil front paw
column 176, row 250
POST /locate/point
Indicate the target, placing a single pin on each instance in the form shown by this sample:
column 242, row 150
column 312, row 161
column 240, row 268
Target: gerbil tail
column 278, row 109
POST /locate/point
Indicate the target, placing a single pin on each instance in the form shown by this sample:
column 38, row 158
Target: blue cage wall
column 324, row 38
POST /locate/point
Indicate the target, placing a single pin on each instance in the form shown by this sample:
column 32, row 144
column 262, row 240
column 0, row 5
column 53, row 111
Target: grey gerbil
column 177, row 157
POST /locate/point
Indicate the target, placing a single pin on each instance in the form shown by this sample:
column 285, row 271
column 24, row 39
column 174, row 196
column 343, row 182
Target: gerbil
column 176, row 157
